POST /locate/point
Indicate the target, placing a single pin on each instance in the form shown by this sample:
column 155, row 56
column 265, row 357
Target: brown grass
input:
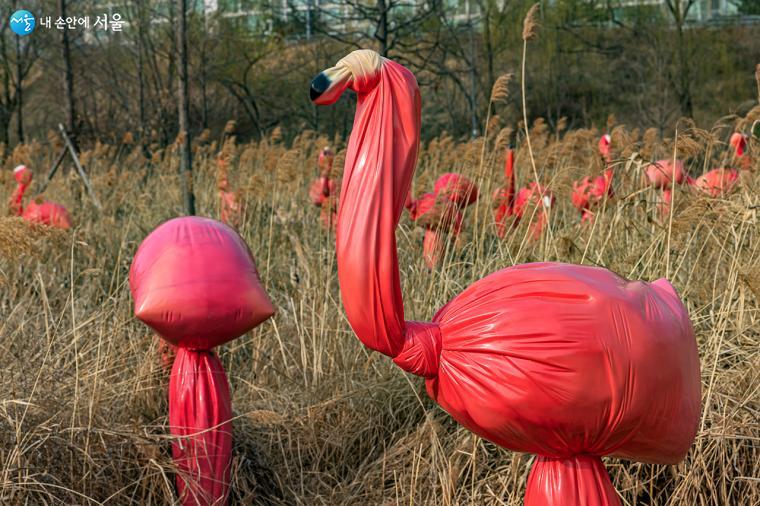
column 319, row 419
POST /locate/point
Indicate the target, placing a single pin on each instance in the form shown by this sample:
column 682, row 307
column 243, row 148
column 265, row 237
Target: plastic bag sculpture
column 195, row 283
column 230, row 208
column 590, row 192
column 440, row 213
column 43, row 212
column 508, row 204
column 323, row 191
column 609, row 366
column 437, row 216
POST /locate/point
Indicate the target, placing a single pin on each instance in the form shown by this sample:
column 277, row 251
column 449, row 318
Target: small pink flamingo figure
column 589, row 192
column 723, row 181
column 324, row 190
column 43, row 212
column 507, row 204
column 438, row 216
column 230, row 210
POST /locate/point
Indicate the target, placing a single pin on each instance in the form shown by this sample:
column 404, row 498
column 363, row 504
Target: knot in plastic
column 364, row 66
column 421, row 352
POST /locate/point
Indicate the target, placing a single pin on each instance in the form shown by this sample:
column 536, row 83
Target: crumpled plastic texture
column 456, row 188
column 609, row 368
column 195, row 283
column 199, row 417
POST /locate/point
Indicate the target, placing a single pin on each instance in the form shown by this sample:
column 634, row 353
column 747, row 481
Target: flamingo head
column 605, row 147
column 23, row 175
column 738, row 141
column 358, row 71
column 325, row 161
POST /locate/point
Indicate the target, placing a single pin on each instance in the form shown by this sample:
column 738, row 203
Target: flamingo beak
column 327, row 87
column 547, row 201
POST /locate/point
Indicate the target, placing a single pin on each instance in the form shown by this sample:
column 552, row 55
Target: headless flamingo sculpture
column 195, row 283
column 440, row 213
column 323, row 190
column 570, row 362
column 590, row 192
column 507, row 204
column 661, row 175
column 46, row 212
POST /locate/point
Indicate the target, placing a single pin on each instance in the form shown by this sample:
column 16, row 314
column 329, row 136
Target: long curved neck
column 509, row 176
column 17, row 199
column 380, row 162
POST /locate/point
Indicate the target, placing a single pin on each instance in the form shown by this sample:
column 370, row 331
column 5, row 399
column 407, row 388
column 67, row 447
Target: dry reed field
column 318, row 418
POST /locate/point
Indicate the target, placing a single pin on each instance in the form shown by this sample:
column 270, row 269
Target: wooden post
column 80, row 170
column 53, row 170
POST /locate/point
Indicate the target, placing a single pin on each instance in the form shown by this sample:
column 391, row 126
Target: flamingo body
column 718, row 182
column 662, row 173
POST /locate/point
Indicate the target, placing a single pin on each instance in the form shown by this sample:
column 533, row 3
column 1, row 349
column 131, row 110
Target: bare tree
column 68, row 80
column 183, row 105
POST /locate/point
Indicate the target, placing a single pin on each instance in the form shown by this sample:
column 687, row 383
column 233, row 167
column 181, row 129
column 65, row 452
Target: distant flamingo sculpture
column 662, row 174
column 438, row 216
column 723, row 181
column 230, row 210
column 507, row 204
column 570, row 362
column 195, row 283
column 590, row 192
column 323, row 190
column 46, row 212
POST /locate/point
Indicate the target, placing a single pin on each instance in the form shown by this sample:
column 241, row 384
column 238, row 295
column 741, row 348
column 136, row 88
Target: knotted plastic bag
column 195, row 283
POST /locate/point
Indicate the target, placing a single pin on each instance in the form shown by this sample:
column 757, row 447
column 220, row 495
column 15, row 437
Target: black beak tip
column 318, row 86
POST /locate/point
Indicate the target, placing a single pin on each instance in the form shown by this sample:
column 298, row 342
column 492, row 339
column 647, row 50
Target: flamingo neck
column 509, row 175
column 17, row 199
column 380, row 162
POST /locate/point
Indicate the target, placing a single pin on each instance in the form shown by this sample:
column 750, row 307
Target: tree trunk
column 185, row 168
column 19, row 94
column 382, row 27
column 68, row 81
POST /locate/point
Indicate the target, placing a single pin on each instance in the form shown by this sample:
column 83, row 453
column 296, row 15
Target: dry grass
column 319, row 419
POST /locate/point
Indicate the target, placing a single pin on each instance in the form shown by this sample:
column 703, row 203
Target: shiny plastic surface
column 199, row 417
column 195, row 283
column 609, row 368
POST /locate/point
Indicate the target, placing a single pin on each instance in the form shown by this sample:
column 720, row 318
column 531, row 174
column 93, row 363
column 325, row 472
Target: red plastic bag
column 199, row 417
column 570, row 362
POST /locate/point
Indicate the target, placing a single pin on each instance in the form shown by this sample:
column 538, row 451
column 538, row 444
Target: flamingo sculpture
column 570, row 362
column 195, row 283
column 507, row 204
column 589, row 192
column 323, row 190
column 438, row 216
column 723, row 181
column 43, row 212
column 230, row 210
column 662, row 174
